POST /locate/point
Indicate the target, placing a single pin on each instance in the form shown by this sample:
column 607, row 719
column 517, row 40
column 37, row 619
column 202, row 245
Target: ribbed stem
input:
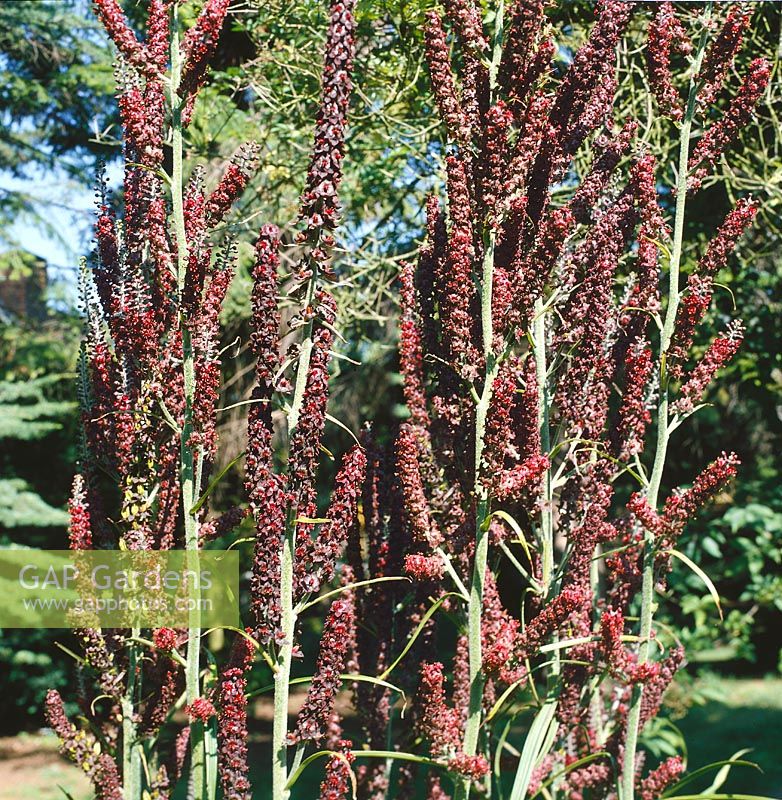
column 472, row 727
column 288, row 612
column 663, row 431
column 475, row 608
column 131, row 754
column 284, row 658
column 186, row 454
column 547, row 512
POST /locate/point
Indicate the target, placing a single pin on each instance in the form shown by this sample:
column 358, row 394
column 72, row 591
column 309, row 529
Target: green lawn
column 746, row 714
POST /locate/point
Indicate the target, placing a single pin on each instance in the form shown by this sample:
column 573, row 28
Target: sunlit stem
column 288, row 612
column 663, row 430
column 547, row 512
column 186, row 453
column 472, row 728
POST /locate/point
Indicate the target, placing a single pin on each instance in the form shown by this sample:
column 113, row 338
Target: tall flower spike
column 458, row 296
column 493, row 165
column 305, row 441
column 338, row 633
column 666, row 33
column 319, row 201
column 653, row 229
column 339, row 781
column 409, row 472
column 692, row 309
column 80, row 531
column 199, row 45
column 661, row 778
column 438, row 58
column 585, row 81
column 341, row 516
column 725, row 240
column 80, row 746
column 611, row 630
column 524, row 50
column 612, row 148
column 696, row 301
column 681, row 506
column 720, row 352
column 549, row 619
column 158, row 33
column 270, row 502
column 232, row 725
column 232, row 184
column 265, row 321
column 634, row 415
column 533, row 269
column 436, row 721
column 107, row 781
column 411, row 360
column 499, row 423
column 266, row 491
column 719, row 57
column 466, row 18
column 116, row 23
column 722, row 132
column 498, row 635
column 655, row 688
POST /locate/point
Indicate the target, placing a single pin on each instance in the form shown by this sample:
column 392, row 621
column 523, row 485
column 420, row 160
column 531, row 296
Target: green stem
column 547, row 512
column 186, row 455
column 288, row 612
column 284, row 658
column 472, row 727
column 663, row 432
column 303, row 366
column 131, row 753
column 475, row 607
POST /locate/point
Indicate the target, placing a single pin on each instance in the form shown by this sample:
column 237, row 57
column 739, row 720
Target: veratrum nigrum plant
column 150, row 387
column 511, row 544
column 545, row 375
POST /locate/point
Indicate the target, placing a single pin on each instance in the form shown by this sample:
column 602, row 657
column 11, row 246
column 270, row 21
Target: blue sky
column 67, row 209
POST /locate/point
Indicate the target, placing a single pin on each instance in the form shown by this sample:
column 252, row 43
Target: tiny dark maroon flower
column 424, row 568
column 666, row 34
column 661, row 778
column 338, row 632
column 200, row 710
column 165, row 639
column 721, row 133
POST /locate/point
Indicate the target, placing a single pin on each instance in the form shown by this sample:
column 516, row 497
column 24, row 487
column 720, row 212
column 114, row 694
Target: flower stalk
column 282, row 673
column 472, row 727
column 132, row 786
column 663, row 424
column 187, row 456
